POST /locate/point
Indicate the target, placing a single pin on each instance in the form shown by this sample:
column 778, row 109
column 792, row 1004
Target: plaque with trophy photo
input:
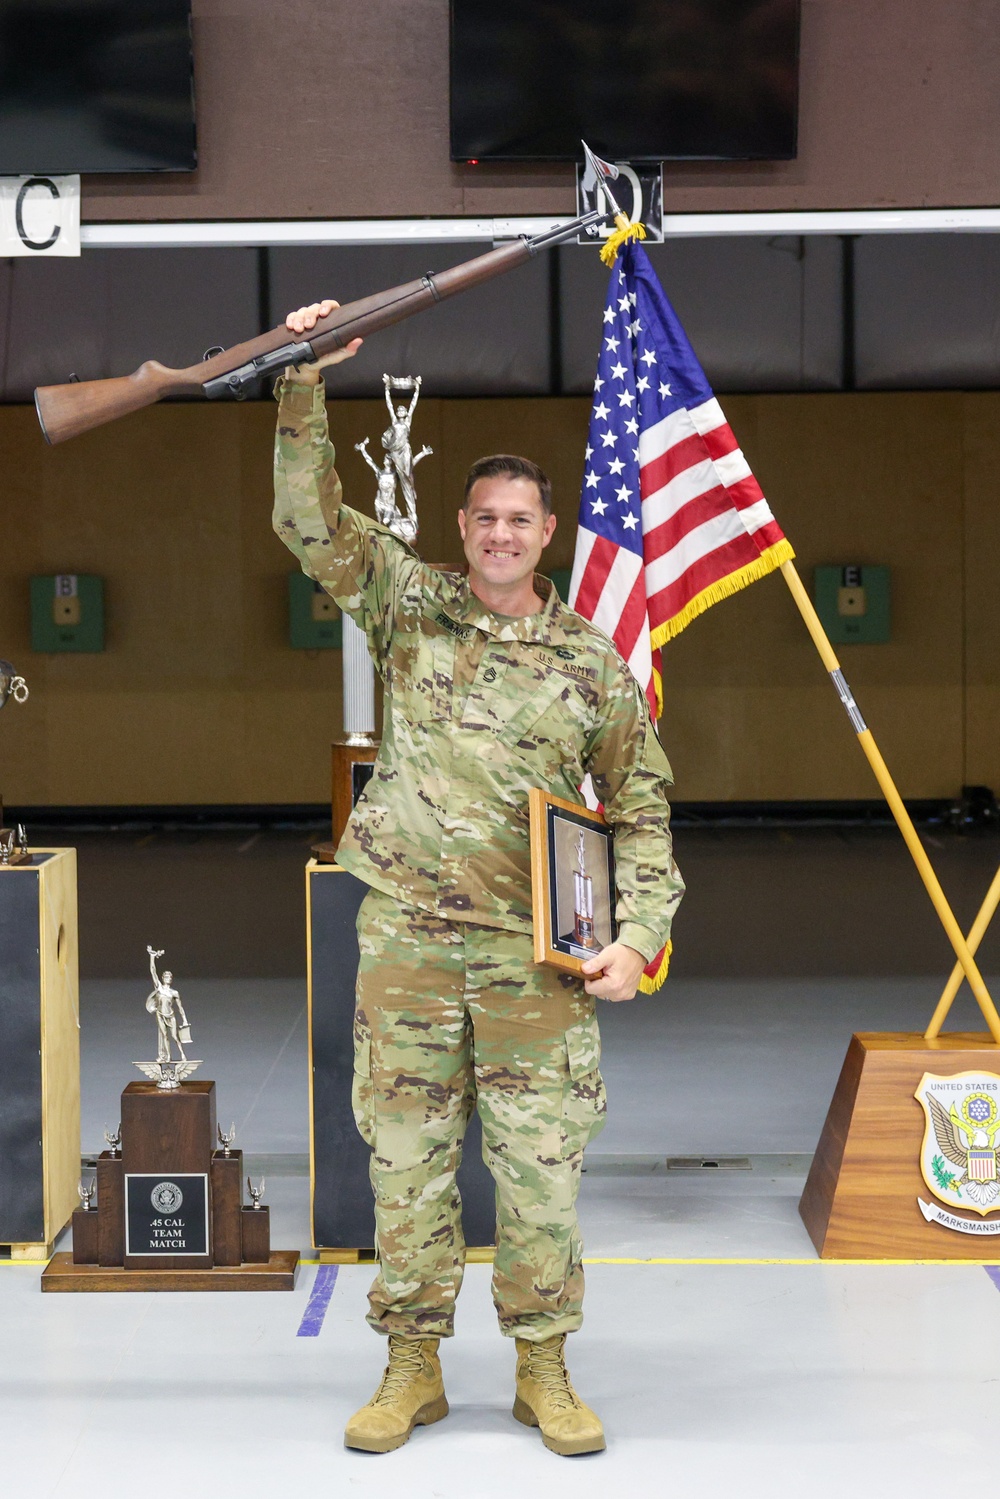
column 169, row 1214
column 572, row 881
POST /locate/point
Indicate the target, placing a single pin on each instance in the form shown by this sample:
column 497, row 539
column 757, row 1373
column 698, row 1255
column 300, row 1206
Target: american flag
column 671, row 518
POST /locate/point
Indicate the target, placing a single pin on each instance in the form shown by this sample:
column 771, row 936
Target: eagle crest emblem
column 958, row 1157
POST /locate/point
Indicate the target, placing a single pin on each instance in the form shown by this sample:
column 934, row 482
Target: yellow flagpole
column 976, row 935
column 946, row 916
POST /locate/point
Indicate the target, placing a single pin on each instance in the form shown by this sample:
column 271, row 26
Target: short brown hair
column 507, row 466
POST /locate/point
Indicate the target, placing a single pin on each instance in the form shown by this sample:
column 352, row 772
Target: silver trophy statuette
column 226, row 1138
column 114, row 1140
column 6, row 846
column 255, row 1192
column 399, row 461
column 171, row 1026
column 583, row 899
column 86, row 1191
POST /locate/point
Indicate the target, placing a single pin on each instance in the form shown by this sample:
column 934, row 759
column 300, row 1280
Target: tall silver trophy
column 394, row 478
column 172, row 1030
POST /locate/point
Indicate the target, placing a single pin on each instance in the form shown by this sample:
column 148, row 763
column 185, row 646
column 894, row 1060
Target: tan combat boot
column 411, row 1394
column 545, row 1398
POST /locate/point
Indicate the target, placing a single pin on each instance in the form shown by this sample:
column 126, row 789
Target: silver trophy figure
column 114, row 1140
column 165, row 1003
column 256, row 1192
column 399, row 461
column 226, row 1138
column 86, row 1192
column 583, row 899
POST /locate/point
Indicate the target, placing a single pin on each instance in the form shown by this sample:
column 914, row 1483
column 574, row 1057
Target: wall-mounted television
column 639, row 80
column 96, row 86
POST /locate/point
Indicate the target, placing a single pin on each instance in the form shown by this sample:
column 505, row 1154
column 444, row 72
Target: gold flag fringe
column 614, row 242
column 649, row 985
column 767, row 562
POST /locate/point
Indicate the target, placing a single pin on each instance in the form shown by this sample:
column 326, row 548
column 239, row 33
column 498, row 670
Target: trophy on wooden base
column 355, row 754
column 170, row 1214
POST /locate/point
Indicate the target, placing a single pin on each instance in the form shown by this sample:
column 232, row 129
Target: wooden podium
column 170, row 1214
column 861, row 1199
column 39, row 1051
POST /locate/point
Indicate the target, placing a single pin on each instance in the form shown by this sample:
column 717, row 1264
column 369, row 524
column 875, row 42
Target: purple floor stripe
column 319, row 1299
column 993, row 1271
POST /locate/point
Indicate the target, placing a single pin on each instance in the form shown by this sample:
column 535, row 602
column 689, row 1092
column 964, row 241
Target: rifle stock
column 66, row 411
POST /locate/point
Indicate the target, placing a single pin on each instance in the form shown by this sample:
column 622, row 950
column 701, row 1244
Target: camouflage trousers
column 450, row 1017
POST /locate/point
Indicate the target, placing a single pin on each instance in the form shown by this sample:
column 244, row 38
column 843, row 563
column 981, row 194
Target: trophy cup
column 170, row 1213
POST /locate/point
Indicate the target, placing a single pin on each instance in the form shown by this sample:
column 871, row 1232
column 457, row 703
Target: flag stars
column 598, row 383
column 665, row 389
column 624, row 493
column 625, row 398
column 618, row 370
column 631, row 426
column 589, row 453
column 609, row 314
column 642, row 383
column 609, row 439
column 635, row 327
column 632, row 298
column 601, row 412
column 647, row 356
column 629, row 522
column 598, row 507
column 615, row 466
column 611, row 343
column 623, row 304
column 591, row 480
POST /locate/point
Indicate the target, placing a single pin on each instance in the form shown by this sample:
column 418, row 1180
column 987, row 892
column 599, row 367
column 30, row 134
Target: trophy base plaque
column 170, row 1214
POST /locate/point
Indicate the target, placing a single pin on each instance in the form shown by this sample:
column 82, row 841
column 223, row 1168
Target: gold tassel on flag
column 624, row 231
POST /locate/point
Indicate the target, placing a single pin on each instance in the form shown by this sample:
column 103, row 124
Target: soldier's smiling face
column 504, row 529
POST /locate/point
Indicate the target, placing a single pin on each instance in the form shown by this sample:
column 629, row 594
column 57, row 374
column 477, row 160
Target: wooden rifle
column 67, row 410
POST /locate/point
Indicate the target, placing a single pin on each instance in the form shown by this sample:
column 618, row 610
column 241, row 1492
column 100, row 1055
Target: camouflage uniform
column 478, row 709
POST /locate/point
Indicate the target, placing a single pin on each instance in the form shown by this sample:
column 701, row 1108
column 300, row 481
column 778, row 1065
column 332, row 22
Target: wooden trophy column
column 170, row 1213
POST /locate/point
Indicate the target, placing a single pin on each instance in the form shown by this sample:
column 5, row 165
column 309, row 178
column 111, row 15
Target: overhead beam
column 229, row 234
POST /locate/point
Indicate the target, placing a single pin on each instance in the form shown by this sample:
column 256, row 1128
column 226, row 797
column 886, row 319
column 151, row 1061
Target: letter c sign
column 26, row 186
column 39, row 215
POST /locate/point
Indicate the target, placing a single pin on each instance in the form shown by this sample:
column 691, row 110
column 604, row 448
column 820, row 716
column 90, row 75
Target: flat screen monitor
column 96, row 86
column 639, row 80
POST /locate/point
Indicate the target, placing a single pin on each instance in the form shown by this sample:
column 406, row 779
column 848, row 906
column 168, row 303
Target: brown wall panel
column 198, row 698
column 334, row 109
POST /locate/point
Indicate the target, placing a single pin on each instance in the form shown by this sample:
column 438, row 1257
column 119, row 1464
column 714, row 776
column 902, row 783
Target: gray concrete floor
column 780, row 1379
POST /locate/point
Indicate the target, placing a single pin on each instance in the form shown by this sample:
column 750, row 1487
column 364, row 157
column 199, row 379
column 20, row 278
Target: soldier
column 492, row 686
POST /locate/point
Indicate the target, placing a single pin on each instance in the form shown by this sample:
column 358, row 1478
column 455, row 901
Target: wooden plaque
column 862, row 1196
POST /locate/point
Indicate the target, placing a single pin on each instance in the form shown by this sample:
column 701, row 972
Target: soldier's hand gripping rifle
column 67, row 410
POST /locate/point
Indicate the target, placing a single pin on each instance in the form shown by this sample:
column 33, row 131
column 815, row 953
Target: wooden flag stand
column 866, row 1196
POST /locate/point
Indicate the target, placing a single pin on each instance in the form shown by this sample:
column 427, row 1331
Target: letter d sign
column 39, row 216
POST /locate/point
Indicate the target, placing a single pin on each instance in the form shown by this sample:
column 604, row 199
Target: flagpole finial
column 598, row 175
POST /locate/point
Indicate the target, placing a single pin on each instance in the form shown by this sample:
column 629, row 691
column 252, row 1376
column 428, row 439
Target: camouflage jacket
column 478, row 708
